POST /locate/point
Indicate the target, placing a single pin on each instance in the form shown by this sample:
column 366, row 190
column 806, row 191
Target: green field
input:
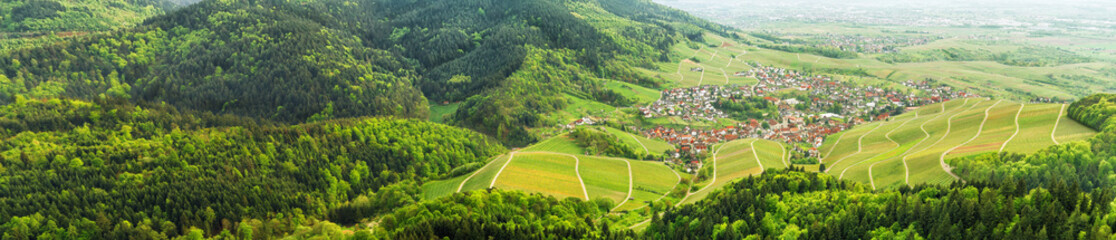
column 547, row 173
column 559, row 144
column 642, row 95
column 640, row 143
column 719, row 64
column 438, row 113
column 605, row 178
column 556, row 174
column 652, row 180
column 737, row 159
column 897, row 152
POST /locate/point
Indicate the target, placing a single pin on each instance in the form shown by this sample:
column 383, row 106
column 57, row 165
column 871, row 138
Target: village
column 822, row 107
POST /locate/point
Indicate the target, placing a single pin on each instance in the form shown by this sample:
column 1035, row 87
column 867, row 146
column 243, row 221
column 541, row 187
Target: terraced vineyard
column 556, row 167
column 719, row 60
column 913, row 147
column 737, row 159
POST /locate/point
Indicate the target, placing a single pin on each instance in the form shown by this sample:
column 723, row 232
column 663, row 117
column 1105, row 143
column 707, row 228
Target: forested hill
column 296, row 61
column 108, row 169
column 267, row 61
column 76, row 15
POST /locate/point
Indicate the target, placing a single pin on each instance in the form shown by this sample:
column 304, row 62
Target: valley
column 556, row 119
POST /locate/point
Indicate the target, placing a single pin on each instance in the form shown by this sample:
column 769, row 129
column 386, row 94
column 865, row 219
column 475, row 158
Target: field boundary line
column 949, row 169
column 756, row 155
column 577, row 169
column 640, row 142
column 702, row 78
column 510, row 158
column 631, row 183
column 711, row 181
column 1016, row 127
column 462, row 185
column 830, row 152
column 949, row 128
column 725, row 74
column 783, row 157
column 897, row 145
column 888, row 137
column 1061, row 111
column 906, row 168
column 859, row 146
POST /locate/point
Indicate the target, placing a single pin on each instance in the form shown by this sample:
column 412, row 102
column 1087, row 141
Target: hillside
column 326, row 59
column 156, row 171
column 915, row 147
column 27, row 23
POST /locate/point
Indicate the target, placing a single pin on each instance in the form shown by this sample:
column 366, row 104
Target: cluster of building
column 871, row 44
column 807, row 117
column 695, row 103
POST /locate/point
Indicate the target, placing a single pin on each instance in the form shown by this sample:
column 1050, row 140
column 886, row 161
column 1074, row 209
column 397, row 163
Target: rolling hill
column 914, row 147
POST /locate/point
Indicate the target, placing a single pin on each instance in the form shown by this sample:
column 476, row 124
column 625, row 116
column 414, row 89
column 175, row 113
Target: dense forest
column 299, row 61
column 105, row 168
column 225, row 57
column 797, row 205
column 32, row 16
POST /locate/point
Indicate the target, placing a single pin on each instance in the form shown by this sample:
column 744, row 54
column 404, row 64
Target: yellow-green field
column 735, row 160
column 629, row 184
column 910, row 148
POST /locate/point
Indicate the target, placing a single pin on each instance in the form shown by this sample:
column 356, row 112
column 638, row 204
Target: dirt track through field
column 462, row 185
column 897, row 145
column 886, row 135
column 907, row 168
column 945, row 166
column 510, row 158
column 859, row 147
column 1060, row 112
column 1016, row 127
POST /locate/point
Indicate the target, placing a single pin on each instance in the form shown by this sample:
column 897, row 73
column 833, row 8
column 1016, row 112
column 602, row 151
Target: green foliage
column 34, row 16
column 747, row 108
column 783, row 203
column 603, row 143
column 150, row 169
column 1095, row 111
column 498, row 214
column 238, row 58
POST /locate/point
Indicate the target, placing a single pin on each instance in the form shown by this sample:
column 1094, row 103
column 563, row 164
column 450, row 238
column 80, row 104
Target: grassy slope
column 736, row 160
column 551, row 174
column 483, row 178
column 652, row 180
column 1070, row 130
column 1000, row 127
column 560, row 144
column 890, row 171
column 605, row 177
column 885, row 158
column 655, row 147
column 438, row 112
column 1035, row 128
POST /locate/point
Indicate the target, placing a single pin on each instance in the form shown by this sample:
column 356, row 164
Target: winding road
column 859, row 147
column 1061, row 111
column 907, row 168
column 462, row 185
column 1016, row 127
column 945, row 166
column 886, row 135
column 897, row 145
